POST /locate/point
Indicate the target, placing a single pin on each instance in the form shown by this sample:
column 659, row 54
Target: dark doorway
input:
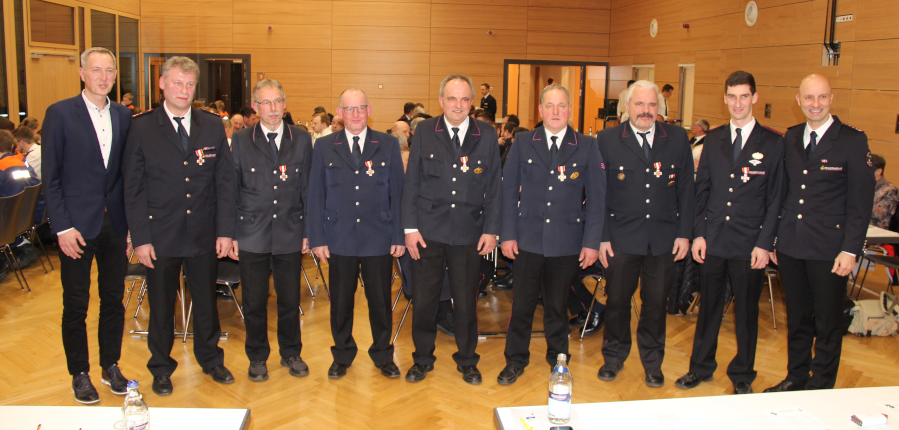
column 225, row 83
column 222, row 77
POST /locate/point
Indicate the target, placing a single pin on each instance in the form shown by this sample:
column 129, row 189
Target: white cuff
column 410, row 230
column 65, row 231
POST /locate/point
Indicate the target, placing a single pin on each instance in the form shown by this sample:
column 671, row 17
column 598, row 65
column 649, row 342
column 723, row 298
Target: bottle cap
column 132, row 384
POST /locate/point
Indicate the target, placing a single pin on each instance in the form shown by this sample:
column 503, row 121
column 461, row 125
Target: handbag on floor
column 875, row 317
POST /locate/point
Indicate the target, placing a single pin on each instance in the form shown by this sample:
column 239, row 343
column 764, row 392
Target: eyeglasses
column 349, row 109
column 270, row 103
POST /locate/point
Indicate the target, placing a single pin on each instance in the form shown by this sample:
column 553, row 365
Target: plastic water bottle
column 135, row 414
column 560, row 384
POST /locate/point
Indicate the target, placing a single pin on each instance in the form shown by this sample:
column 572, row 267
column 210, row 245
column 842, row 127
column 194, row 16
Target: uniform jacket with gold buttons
column 179, row 201
column 551, row 216
column 271, row 208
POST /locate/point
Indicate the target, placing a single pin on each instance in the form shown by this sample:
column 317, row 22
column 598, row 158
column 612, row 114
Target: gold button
column 727, row 218
column 803, row 186
column 188, row 195
column 186, row 179
column 799, row 216
column 547, row 221
column 801, row 201
column 276, row 202
column 454, row 193
column 549, row 203
column 188, row 211
column 185, row 163
column 731, row 175
column 275, row 216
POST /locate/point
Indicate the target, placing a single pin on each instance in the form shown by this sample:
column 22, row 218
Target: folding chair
column 135, row 272
column 9, row 212
column 598, row 277
column 36, row 239
column 227, row 274
column 25, row 221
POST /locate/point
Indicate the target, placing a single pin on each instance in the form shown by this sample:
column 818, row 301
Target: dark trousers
column 162, row 284
column 344, row 276
column 554, row 276
column 463, row 263
column 655, row 274
column 406, row 265
column 814, row 298
column 109, row 249
column 579, row 298
column 254, row 274
column 747, row 288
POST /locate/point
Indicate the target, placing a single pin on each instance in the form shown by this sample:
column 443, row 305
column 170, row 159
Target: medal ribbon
column 283, row 169
column 368, row 164
column 658, row 165
column 464, row 160
column 745, row 171
column 562, row 169
column 200, row 154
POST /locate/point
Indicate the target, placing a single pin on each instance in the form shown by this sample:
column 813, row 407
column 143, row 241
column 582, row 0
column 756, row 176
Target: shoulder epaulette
column 772, row 130
column 210, row 113
column 142, row 113
column 854, row 128
column 801, row 124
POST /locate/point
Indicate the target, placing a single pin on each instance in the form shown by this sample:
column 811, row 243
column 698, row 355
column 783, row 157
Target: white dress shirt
column 102, row 121
column 185, row 122
column 744, row 132
column 549, row 140
column 806, row 136
column 33, row 159
column 649, row 137
column 279, row 130
column 349, row 139
column 463, row 129
column 663, row 107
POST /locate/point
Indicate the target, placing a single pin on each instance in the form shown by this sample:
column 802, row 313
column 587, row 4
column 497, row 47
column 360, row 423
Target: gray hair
column 418, row 110
column 551, row 87
column 400, row 137
column 642, row 84
column 267, row 83
column 101, row 50
column 185, row 64
column 704, row 125
column 459, row 77
column 350, row 90
column 226, row 122
column 414, row 124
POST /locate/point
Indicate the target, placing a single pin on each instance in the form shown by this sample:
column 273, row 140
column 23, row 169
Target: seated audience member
column 302, row 127
column 579, row 300
column 418, row 111
column 229, row 129
column 249, row 116
column 220, row 109
column 31, row 123
column 404, row 153
column 6, row 124
column 135, row 110
column 407, row 112
column 337, row 124
column 886, row 195
column 505, row 138
column 485, row 116
column 401, row 137
column 512, row 119
column 24, row 137
column 321, row 126
column 288, row 118
column 237, row 122
column 700, row 128
column 15, row 175
column 197, row 104
column 422, row 106
column 321, row 109
column 401, row 127
column 515, row 131
column 127, row 100
column 414, row 124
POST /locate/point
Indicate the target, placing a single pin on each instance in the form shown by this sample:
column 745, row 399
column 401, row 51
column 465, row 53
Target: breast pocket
column 332, row 174
column 432, row 165
column 251, row 178
column 293, row 172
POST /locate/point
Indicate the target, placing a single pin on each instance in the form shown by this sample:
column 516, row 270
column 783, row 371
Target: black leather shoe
column 162, row 385
column 785, row 386
column 220, row 374
column 112, row 376
column 655, row 378
column 481, row 294
column 418, row 372
column 337, row 370
column 390, row 370
column 580, row 319
column 503, row 286
column 84, row 390
column 295, row 366
column 742, row 388
column 470, row 374
column 509, row 375
column 258, row 371
column 609, row 371
column 690, row 380
column 595, row 323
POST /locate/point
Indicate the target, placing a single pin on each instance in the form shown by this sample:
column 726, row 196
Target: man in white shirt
column 25, row 144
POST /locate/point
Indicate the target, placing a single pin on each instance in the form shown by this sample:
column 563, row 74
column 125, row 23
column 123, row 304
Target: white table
column 104, row 418
column 879, row 235
column 730, row 412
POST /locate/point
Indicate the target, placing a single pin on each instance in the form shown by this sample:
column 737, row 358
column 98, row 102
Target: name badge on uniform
column 370, row 171
column 658, row 166
column 562, row 173
column 464, row 167
column 745, row 176
column 200, row 157
column 283, row 172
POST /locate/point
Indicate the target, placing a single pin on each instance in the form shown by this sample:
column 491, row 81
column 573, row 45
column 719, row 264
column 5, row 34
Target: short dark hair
column 30, row 122
column 247, row 111
column 518, row 130
column 6, row 124
column 667, row 87
column 879, row 162
column 485, row 116
column 486, row 85
column 740, row 78
column 550, row 81
column 408, row 107
column 509, row 126
column 513, row 119
column 630, row 82
column 23, row 133
column 319, row 109
column 6, row 141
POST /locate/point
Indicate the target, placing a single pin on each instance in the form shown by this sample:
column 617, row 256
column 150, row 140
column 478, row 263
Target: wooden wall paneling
column 301, row 108
column 380, row 38
column 621, row 60
column 196, row 12
column 157, row 36
column 384, row 14
column 708, row 101
column 668, row 39
column 870, row 60
column 128, row 6
column 445, row 63
column 782, row 25
column 568, row 43
column 380, row 62
column 625, row 42
column 840, row 76
column 486, row 17
column 692, row 10
column 308, row 61
column 59, row 79
column 845, row 31
column 616, row 4
column 509, row 42
column 666, row 69
column 284, row 36
column 495, row 81
column 550, row 57
column 704, row 34
column 709, row 67
column 785, row 112
column 575, row 4
column 384, row 111
column 732, row 61
column 877, row 20
column 481, row 3
column 277, row 12
column 781, row 65
column 579, row 20
column 302, row 84
column 408, row 87
column 628, row 17
column 875, row 113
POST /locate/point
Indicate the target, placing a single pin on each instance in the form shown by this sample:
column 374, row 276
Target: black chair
column 228, row 274
column 9, row 212
column 135, row 272
column 45, row 219
column 25, row 221
column 889, row 262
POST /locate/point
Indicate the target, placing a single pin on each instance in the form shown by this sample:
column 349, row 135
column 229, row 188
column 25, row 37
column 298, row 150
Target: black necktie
column 738, row 144
column 645, row 144
column 182, row 133
column 271, row 142
column 357, row 153
column 554, row 148
column 456, row 141
column 811, row 145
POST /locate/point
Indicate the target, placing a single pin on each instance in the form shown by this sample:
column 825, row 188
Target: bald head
column 401, row 127
column 815, row 97
column 237, row 121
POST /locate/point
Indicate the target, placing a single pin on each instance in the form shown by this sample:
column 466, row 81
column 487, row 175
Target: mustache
column 645, row 115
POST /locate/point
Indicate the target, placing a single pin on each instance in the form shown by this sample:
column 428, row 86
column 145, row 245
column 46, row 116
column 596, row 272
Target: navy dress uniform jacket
column 829, row 197
column 443, row 202
column 644, row 209
column 173, row 201
column 271, row 210
column 77, row 186
column 732, row 214
column 549, row 216
column 352, row 212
